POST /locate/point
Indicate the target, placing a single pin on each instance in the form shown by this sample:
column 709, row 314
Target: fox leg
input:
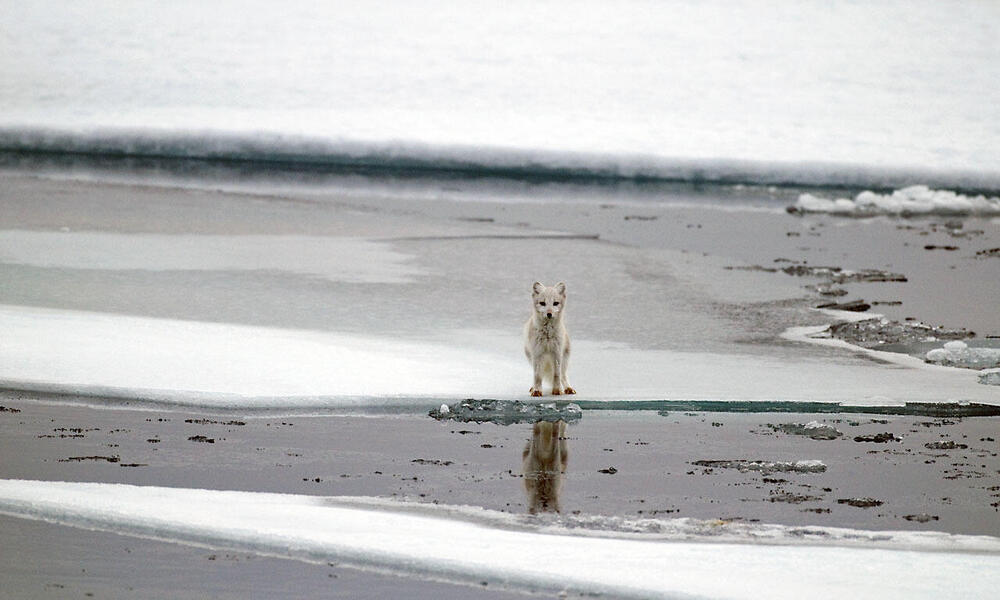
column 536, row 389
column 564, row 380
column 558, row 371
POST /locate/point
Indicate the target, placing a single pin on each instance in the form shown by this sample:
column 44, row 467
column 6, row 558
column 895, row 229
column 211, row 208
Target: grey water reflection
column 544, row 463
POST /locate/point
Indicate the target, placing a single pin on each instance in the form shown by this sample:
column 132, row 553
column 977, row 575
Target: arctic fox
column 546, row 341
column 544, row 462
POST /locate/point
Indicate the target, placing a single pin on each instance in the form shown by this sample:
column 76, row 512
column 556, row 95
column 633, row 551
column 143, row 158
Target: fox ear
column 537, row 287
column 561, row 288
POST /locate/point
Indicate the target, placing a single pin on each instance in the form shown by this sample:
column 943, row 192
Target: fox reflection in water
column 544, row 461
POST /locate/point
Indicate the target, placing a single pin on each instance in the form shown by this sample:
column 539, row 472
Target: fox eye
column 542, row 303
column 555, row 304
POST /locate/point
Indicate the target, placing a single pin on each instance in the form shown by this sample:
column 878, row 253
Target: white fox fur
column 546, row 341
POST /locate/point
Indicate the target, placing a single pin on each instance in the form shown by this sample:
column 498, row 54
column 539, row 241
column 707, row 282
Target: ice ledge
column 621, row 557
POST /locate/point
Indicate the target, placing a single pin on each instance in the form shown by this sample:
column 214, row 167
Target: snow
column 913, row 200
column 339, row 259
column 843, row 93
column 174, row 362
column 474, row 545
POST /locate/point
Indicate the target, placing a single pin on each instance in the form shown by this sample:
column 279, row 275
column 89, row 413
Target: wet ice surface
column 886, row 498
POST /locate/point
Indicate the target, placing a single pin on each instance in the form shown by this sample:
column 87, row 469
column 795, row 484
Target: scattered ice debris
column 812, row 429
column 507, row 412
column 852, row 306
column 860, row 502
column 10, row 410
column 921, row 518
column 841, row 275
column 945, row 445
column 872, row 333
column 201, row 438
column 959, row 354
column 878, row 438
column 995, row 252
column 990, row 377
column 765, row 467
column 827, row 289
column 110, row 459
column 913, row 200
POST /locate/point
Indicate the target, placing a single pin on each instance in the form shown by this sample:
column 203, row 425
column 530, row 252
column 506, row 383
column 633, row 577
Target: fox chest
column 547, row 339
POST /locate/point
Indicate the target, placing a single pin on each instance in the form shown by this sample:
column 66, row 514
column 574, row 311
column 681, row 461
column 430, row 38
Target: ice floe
column 990, row 377
column 812, row 429
column 913, row 200
column 765, row 466
column 590, row 555
column 507, row 412
column 958, row 354
column 105, row 357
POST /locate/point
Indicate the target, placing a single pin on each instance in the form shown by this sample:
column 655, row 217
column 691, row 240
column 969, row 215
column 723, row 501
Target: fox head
column 549, row 302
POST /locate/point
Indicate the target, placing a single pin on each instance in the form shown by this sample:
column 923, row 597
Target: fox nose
column 549, row 314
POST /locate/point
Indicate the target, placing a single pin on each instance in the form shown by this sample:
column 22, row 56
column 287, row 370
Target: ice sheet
column 380, row 536
column 234, row 366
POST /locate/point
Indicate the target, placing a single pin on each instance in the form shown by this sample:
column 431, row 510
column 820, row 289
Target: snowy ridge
column 482, row 546
column 272, row 148
column 910, row 201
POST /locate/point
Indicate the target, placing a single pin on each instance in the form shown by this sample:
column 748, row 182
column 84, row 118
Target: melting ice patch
column 913, row 200
column 617, row 557
column 353, row 260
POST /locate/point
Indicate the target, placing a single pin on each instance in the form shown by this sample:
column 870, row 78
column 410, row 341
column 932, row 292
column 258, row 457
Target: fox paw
column 535, row 392
column 569, row 390
column 556, row 391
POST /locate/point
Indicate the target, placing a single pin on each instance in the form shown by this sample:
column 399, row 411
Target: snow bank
column 380, row 535
column 913, row 200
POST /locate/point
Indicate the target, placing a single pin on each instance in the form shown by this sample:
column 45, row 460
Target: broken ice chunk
column 990, row 377
column 959, row 354
column 813, row 429
column 507, row 412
